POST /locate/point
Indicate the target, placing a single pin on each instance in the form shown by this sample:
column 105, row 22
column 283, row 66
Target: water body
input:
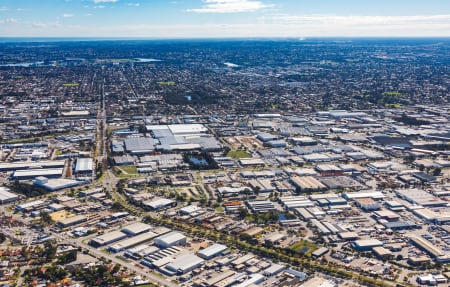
column 31, row 64
column 147, row 60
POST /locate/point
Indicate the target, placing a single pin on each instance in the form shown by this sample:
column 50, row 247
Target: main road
column 109, row 183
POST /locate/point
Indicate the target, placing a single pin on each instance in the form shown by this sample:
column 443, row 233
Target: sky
column 224, row 18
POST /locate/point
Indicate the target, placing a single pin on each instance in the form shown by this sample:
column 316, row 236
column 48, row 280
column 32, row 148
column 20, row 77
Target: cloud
column 99, row 7
column 134, row 4
column 8, row 21
column 4, row 8
column 105, row 1
column 230, row 6
column 89, row 15
column 67, row 15
column 41, row 25
column 378, row 21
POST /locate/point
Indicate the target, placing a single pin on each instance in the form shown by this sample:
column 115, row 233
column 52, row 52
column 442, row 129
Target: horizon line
column 299, row 38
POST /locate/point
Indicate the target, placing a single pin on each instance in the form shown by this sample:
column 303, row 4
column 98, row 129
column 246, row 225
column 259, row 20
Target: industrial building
column 261, row 206
column 307, row 183
column 254, row 279
column 367, row 204
column 71, row 221
column 431, row 249
column 30, row 206
column 366, row 244
column 136, row 228
column 107, row 238
column 170, row 239
column 6, row 196
column 132, row 241
column 139, row 145
column 212, row 251
column 84, row 166
column 183, row 264
column 54, row 184
column 23, row 165
column 159, row 204
column 30, row 174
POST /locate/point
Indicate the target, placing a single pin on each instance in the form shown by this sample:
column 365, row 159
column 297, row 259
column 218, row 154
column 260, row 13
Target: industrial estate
column 152, row 171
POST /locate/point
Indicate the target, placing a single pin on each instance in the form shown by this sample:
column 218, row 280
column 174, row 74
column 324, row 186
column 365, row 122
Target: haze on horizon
column 224, row 18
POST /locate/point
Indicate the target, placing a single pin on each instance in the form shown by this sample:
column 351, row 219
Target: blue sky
column 223, row 18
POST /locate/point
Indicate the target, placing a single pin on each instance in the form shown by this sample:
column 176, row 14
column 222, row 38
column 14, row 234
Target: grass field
column 130, row 169
column 71, row 85
column 395, row 106
column 303, row 244
column 169, row 83
column 396, row 94
column 238, row 154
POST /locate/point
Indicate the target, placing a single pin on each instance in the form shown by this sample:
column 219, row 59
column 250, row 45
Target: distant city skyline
column 224, row 18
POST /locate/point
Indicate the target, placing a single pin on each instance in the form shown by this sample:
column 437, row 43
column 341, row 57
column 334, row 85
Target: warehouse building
column 30, row 206
column 254, row 279
column 107, row 238
column 132, row 241
column 84, row 166
column 307, row 183
column 212, row 251
column 30, row 174
column 366, row 244
column 183, row 264
column 71, row 221
column 55, row 184
column 6, row 196
column 136, row 228
column 159, row 204
column 170, row 239
column 273, row 270
column 367, row 204
column 13, row 166
column 261, row 206
column 139, row 145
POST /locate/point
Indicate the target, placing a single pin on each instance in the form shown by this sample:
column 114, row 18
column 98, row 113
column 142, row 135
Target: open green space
column 238, row 154
column 303, row 246
column 71, row 85
column 130, row 169
column 395, row 106
column 168, row 83
column 397, row 94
